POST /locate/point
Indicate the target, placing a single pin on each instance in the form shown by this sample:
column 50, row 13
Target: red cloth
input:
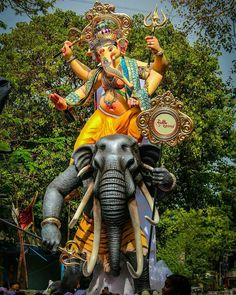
column 26, row 217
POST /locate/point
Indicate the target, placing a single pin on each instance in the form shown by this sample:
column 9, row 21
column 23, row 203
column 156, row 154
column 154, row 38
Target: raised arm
column 80, row 69
column 160, row 62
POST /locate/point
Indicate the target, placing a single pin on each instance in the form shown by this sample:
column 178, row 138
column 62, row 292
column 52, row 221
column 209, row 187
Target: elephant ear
column 150, row 154
column 83, row 156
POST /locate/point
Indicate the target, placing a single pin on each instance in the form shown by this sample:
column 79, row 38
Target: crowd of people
column 174, row 285
column 11, row 289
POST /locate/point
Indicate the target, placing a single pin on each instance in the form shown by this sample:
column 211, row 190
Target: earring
column 123, row 44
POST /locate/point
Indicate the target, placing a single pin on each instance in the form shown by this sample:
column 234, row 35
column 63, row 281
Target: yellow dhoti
column 101, row 124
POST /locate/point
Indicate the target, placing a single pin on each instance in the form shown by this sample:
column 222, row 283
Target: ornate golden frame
column 164, row 122
column 100, row 12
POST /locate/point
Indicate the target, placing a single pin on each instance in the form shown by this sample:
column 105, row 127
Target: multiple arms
column 84, row 73
column 153, row 74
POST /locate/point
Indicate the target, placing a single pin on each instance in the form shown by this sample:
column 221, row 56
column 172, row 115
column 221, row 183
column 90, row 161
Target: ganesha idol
column 109, row 160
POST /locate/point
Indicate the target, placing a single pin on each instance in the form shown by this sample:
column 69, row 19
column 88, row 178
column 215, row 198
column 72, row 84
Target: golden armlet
column 52, row 220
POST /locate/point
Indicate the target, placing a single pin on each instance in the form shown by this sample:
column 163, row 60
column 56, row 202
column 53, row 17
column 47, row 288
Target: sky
column 129, row 7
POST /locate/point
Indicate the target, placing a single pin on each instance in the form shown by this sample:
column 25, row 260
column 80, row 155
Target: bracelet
column 72, row 98
column 52, row 220
column 71, row 59
column 159, row 53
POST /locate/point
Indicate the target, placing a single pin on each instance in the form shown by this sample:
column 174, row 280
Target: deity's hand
column 132, row 102
column 66, row 50
column 58, row 101
column 162, row 177
column 153, row 43
column 51, row 237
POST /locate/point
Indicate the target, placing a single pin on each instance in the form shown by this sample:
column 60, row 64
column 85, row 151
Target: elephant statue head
column 114, row 168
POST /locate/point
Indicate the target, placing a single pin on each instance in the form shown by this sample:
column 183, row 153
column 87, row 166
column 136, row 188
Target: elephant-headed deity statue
column 109, row 230
column 107, row 160
column 117, row 77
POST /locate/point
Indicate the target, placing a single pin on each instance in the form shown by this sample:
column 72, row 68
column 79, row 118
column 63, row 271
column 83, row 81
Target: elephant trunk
column 113, row 72
column 113, row 197
column 114, row 234
column 114, row 213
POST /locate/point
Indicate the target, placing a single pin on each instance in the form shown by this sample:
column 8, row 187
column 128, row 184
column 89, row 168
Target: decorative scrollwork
column 164, row 122
column 70, row 254
column 106, row 12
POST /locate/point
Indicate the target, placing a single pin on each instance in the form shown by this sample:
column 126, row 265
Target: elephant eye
column 124, row 147
column 111, row 48
column 102, row 147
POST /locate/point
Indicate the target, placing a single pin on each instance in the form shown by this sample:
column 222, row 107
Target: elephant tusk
column 83, row 170
column 89, row 266
column 82, row 204
column 133, row 210
column 151, row 221
column 149, row 199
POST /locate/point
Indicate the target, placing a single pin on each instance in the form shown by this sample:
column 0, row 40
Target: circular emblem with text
column 164, row 122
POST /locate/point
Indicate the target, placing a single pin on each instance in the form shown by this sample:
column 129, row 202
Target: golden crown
column 105, row 24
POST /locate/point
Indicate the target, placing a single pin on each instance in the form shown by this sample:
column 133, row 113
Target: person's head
column 176, row 285
column 106, row 290
column 15, row 286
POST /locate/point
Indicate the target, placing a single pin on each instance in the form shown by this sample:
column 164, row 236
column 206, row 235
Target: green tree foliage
column 194, row 242
column 193, row 77
column 42, row 139
column 30, row 8
column 212, row 21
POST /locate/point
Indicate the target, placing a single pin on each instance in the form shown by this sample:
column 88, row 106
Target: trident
column 154, row 19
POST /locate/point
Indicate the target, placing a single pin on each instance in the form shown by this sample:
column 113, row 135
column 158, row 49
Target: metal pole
column 150, row 50
column 154, row 207
column 19, row 228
